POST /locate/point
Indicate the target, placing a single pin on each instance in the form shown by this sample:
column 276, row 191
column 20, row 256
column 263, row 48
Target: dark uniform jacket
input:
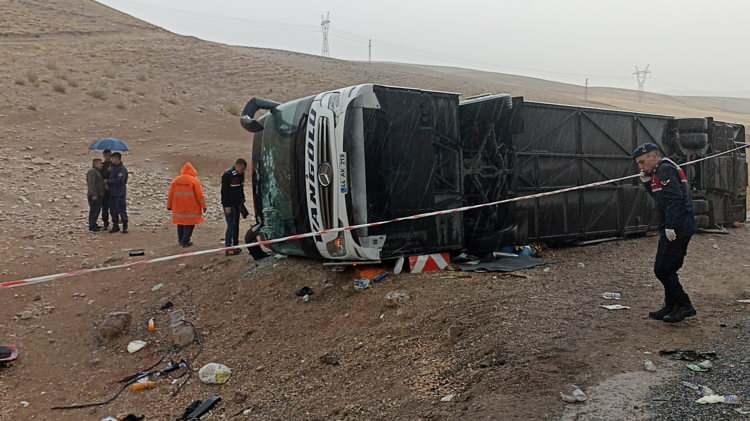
column 670, row 189
column 118, row 181
column 232, row 188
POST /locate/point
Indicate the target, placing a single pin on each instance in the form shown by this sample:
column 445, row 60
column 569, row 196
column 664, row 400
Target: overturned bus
column 370, row 153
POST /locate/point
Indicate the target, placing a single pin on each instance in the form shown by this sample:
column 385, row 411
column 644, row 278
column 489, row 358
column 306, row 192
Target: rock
column 448, row 398
column 397, row 298
column 649, row 365
column 214, row 373
column 330, row 358
column 183, row 335
column 25, row 315
column 115, row 324
column 573, row 394
column 240, row 397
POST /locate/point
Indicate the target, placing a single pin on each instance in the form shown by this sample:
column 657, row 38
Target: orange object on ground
column 186, row 199
column 142, row 385
column 371, row 272
column 151, row 325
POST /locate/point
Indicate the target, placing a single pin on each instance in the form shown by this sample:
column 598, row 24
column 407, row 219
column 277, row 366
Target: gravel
column 730, row 376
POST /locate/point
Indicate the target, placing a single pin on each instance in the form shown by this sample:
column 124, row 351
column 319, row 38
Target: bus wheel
column 251, row 236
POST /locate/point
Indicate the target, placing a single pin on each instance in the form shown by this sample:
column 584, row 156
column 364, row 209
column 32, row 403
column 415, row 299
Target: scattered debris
column 183, row 334
column 115, row 324
column 396, row 298
column 143, row 384
column 712, row 399
column 25, row 404
column 166, row 306
column 304, row 291
column 8, row 354
column 110, row 418
column 361, row 284
column 135, row 346
column 25, row 315
column 136, row 253
column 198, row 409
column 743, row 301
column 613, row 307
column 688, row 355
column 151, row 325
column 574, row 395
column 133, row 417
column 612, row 296
column 330, row 358
column 701, row 367
column 214, row 373
column 742, row 411
column 448, row 398
column 649, row 366
column 157, row 287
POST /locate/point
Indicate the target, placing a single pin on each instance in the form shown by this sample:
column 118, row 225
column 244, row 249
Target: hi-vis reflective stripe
column 48, row 278
column 429, row 262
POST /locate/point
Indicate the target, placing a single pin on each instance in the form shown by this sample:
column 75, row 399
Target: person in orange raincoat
column 187, row 203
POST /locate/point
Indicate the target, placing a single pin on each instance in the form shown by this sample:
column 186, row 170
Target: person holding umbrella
column 115, row 182
column 187, row 203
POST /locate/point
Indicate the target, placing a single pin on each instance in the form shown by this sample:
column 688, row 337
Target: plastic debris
column 701, row 367
column 576, row 395
column 198, row 409
column 151, row 325
column 135, row 346
column 109, row 419
column 25, row 404
column 448, row 398
column 712, row 399
column 362, row 284
column 612, row 296
column 649, row 366
column 157, row 287
column 214, row 373
column 743, row 301
column 143, row 384
column 612, row 307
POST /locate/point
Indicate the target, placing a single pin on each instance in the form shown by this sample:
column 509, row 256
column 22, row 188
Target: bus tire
column 255, row 251
column 692, row 125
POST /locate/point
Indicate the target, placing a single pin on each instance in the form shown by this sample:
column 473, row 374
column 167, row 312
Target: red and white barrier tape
column 48, row 278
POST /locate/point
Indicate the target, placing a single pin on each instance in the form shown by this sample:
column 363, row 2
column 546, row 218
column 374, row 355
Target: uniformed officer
column 668, row 185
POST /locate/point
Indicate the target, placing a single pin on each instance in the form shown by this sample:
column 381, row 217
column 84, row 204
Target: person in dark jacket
column 668, row 186
column 118, row 189
column 95, row 193
column 107, row 156
column 233, row 202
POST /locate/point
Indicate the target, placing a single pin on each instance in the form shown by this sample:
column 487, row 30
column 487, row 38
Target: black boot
column 115, row 228
column 680, row 313
column 659, row 314
column 124, row 228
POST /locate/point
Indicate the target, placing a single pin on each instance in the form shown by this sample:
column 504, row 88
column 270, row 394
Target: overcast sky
column 694, row 47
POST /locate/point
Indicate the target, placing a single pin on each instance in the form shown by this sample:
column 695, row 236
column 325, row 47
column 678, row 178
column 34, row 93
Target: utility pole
column 586, row 92
column 369, row 52
column 640, row 77
column 325, row 26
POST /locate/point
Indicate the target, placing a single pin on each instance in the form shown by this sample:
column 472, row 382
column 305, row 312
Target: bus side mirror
column 247, row 119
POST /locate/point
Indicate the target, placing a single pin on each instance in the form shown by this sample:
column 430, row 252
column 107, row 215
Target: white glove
column 671, row 234
column 645, row 178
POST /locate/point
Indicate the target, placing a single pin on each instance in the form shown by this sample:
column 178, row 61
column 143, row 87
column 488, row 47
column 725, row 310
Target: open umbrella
column 114, row 145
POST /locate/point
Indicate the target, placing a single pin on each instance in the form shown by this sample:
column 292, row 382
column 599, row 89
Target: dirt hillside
column 501, row 346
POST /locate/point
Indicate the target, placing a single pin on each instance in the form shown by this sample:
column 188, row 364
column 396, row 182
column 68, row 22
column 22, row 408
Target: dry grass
column 142, row 77
column 98, row 94
column 232, row 109
column 58, row 87
column 32, row 77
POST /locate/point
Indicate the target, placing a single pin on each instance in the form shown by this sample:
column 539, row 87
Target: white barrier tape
column 48, row 278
